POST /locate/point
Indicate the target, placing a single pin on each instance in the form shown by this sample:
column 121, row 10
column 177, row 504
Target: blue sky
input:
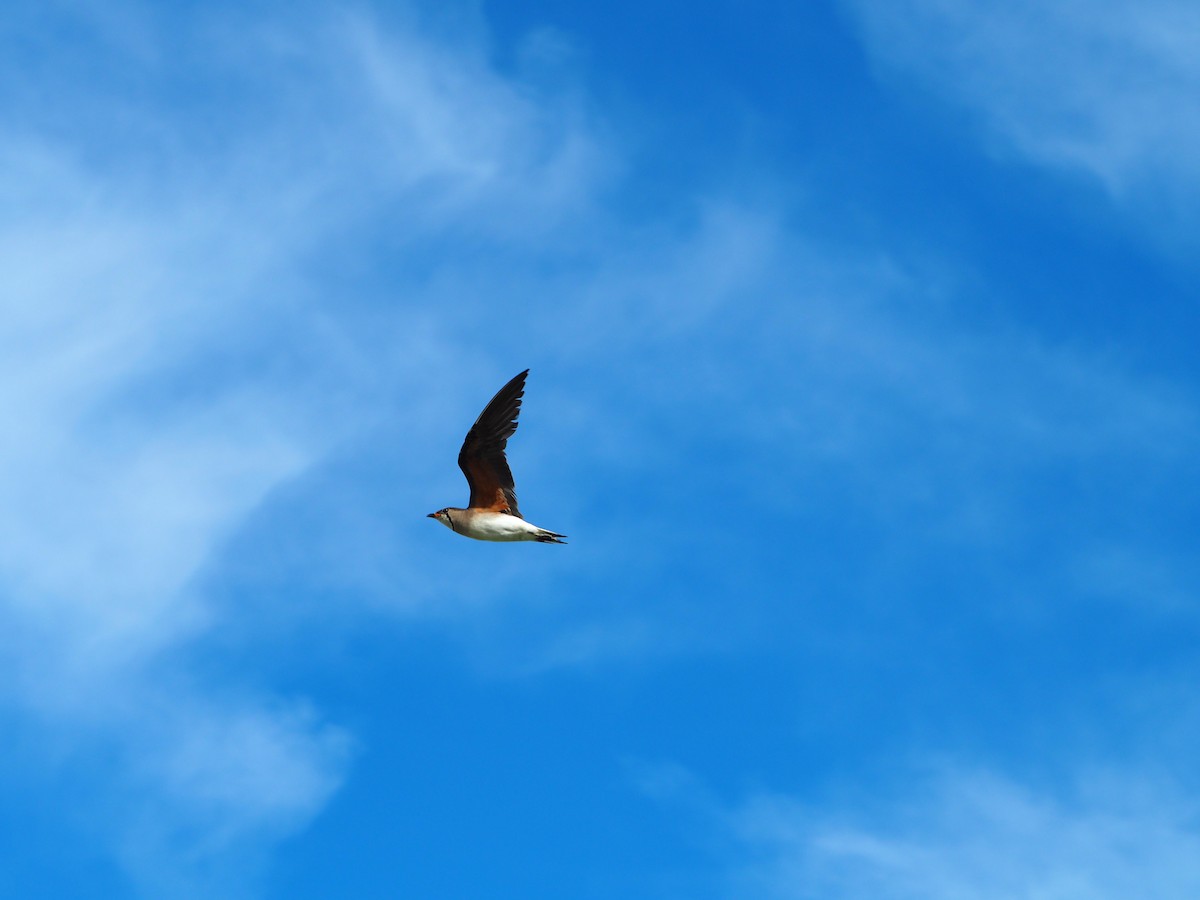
column 862, row 340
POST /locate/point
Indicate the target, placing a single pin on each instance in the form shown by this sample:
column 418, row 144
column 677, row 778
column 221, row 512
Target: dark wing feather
column 482, row 455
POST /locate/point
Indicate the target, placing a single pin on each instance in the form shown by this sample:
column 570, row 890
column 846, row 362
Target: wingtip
column 517, row 380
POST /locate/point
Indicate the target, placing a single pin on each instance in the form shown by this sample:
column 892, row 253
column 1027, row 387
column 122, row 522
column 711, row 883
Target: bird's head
column 442, row 516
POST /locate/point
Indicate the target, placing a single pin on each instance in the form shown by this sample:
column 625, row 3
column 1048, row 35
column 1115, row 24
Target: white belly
column 498, row 527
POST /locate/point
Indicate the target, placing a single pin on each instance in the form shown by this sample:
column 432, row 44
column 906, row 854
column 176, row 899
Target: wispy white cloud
column 169, row 358
column 975, row 836
column 863, row 360
column 1104, row 88
column 113, row 495
column 516, row 157
column 211, row 784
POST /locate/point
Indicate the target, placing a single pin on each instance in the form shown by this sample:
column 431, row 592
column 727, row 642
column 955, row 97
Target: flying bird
column 491, row 513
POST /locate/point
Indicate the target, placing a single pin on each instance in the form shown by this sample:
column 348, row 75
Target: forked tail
column 549, row 537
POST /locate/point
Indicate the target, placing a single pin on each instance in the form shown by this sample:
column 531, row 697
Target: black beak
column 431, row 516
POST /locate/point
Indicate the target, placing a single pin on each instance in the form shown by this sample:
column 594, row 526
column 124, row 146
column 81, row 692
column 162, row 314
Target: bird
column 492, row 513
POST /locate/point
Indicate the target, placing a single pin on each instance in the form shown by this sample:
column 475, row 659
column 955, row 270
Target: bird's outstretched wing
column 482, row 455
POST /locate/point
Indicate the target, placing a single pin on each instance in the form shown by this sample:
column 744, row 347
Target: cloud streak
column 168, row 362
column 1100, row 88
column 977, row 836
